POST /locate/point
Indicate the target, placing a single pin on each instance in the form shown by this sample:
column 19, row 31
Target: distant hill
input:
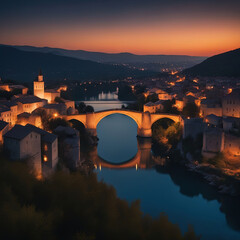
column 116, row 57
column 225, row 64
column 24, row 66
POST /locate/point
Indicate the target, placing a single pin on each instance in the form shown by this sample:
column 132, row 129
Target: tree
column 83, row 108
column 169, row 108
column 89, row 109
column 44, row 117
column 125, row 93
column 58, row 100
column 72, row 206
column 55, row 122
column 190, row 110
column 152, row 98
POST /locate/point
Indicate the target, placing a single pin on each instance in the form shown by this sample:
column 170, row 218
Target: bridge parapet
column 144, row 120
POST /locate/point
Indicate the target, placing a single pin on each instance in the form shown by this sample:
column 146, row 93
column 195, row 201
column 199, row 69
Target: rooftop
column 24, row 115
column 18, row 132
column 28, row 99
column 51, row 91
column 4, row 108
column 149, row 104
column 46, row 136
column 2, row 125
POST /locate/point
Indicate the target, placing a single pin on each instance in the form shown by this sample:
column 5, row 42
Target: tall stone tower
column 38, row 86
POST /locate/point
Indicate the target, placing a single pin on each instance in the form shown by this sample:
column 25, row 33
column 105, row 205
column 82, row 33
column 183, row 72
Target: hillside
column 225, row 64
column 116, row 57
column 24, row 66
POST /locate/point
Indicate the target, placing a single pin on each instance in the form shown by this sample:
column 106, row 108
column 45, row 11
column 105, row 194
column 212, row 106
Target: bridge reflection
column 143, row 158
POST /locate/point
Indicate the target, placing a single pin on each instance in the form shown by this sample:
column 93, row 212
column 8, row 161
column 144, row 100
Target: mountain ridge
column 122, row 57
column 225, row 64
column 24, row 65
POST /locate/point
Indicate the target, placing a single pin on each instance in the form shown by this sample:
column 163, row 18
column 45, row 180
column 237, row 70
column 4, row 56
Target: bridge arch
column 144, row 120
column 175, row 118
column 135, row 116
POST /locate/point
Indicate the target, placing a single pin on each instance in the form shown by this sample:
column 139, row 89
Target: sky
column 189, row 27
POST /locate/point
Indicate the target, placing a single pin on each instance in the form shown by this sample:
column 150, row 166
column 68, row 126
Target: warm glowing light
column 229, row 90
column 45, row 158
column 100, row 167
column 55, row 114
column 45, row 147
column 181, row 79
column 136, row 167
column 174, row 72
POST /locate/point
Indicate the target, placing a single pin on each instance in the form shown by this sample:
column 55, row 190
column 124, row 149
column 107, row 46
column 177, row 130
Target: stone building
column 10, row 88
column 49, row 146
column 28, row 103
column 193, row 127
column 232, row 145
column 38, row 86
column 23, row 143
column 213, row 142
column 13, row 107
column 25, row 118
column 39, row 90
column 231, row 104
column 4, row 127
column 153, row 107
column 69, row 145
column 211, row 106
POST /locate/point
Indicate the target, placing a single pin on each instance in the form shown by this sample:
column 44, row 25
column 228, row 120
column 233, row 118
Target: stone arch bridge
column 144, row 120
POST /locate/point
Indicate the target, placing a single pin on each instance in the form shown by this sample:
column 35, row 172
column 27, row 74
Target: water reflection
column 143, row 158
column 182, row 195
column 192, row 185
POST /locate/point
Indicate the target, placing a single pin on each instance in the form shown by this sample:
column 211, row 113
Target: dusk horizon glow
column 190, row 28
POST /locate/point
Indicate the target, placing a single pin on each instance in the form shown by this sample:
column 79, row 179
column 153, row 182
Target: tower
column 38, row 86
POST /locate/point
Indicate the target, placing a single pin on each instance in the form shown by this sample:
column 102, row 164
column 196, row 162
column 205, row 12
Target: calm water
column 102, row 96
column 104, row 101
column 180, row 194
column 106, row 104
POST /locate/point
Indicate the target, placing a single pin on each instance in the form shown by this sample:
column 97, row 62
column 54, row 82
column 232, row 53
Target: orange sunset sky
column 200, row 28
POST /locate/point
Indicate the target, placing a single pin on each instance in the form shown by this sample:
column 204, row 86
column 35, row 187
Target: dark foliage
column 190, row 110
column 72, row 206
column 83, row 108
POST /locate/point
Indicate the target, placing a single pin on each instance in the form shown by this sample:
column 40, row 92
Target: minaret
column 38, row 86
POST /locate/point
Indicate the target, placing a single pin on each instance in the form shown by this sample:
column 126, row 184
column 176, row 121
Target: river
column 182, row 196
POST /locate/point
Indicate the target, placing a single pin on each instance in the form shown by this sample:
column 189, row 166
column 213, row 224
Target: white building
column 49, row 143
column 28, row 103
column 23, row 143
column 153, row 107
column 39, row 90
column 231, row 104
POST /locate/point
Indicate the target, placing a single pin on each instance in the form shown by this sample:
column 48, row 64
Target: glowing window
column 45, row 147
column 45, row 159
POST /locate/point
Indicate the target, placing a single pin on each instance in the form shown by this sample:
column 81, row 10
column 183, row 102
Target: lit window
column 45, row 158
column 45, row 147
